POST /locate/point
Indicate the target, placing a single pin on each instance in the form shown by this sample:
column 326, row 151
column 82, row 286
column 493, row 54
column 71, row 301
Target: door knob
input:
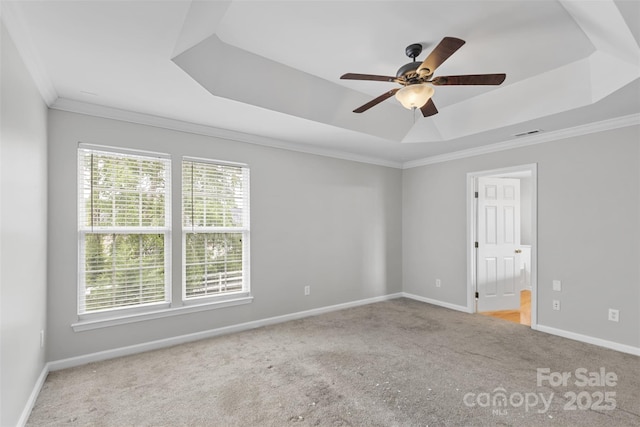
column 518, row 251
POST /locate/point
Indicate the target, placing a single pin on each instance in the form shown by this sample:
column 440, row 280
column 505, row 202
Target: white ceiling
column 268, row 71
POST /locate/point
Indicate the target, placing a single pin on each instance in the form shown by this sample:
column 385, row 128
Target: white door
column 498, row 237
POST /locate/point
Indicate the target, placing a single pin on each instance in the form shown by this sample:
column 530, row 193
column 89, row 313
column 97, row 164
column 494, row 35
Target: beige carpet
column 396, row 363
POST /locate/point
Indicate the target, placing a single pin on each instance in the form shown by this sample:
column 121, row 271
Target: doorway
column 502, row 238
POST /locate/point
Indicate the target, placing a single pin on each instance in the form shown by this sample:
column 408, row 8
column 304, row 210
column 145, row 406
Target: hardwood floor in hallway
column 522, row 316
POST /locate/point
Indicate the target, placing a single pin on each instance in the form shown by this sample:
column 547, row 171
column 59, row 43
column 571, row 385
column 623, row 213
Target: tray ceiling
column 270, row 69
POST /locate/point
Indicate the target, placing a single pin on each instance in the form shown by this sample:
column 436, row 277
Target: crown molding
column 96, row 110
column 28, row 52
column 610, row 124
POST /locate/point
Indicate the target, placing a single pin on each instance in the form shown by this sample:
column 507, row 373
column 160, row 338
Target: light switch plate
column 557, row 285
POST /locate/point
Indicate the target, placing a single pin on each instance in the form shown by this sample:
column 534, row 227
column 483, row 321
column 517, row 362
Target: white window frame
column 245, row 293
column 173, row 305
column 83, row 230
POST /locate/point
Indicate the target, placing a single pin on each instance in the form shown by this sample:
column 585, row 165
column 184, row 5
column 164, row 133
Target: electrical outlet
column 557, row 285
column 614, row 315
column 556, row 304
column 438, row 283
column 42, row 339
column 307, row 290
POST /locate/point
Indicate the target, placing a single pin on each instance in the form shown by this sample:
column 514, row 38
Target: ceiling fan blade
column 376, row 101
column 469, row 79
column 447, row 47
column 353, row 76
column 429, row 109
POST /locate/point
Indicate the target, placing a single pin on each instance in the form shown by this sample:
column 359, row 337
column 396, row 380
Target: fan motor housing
column 412, row 51
column 407, row 68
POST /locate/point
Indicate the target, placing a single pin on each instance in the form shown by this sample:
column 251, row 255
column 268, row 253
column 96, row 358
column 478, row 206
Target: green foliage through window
column 124, row 225
column 123, row 270
column 123, row 220
column 214, row 263
column 215, row 218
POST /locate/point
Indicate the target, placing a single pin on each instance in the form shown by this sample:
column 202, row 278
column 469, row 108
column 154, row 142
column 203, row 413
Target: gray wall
column 328, row 223
column 588, row 230
column 23, row 233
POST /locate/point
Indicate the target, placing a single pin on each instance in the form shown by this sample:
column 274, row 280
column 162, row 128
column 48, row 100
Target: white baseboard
column 26, row 412
column 444, row 304
column 168, row 342
column 590, row 340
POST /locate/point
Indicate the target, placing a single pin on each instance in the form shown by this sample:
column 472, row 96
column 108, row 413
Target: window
column 215, row 220
column 123, row 229
column 124, row 236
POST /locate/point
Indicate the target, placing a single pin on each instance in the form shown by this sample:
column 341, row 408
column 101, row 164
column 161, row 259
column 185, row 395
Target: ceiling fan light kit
column 415, row 96
column 417, row 79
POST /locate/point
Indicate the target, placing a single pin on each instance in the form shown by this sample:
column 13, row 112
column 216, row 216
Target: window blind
column 124, row 223
column 215, row 219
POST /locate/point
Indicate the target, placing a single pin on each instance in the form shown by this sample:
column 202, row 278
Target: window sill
column 88, row 325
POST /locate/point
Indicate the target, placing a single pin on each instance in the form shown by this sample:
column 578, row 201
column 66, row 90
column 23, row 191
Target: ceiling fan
column 417, row 78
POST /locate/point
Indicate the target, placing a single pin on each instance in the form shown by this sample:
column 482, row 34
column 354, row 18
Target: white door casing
column 498, row 237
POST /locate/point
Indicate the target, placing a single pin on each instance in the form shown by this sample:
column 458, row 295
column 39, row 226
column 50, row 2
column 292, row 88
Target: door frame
column 472, row 213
